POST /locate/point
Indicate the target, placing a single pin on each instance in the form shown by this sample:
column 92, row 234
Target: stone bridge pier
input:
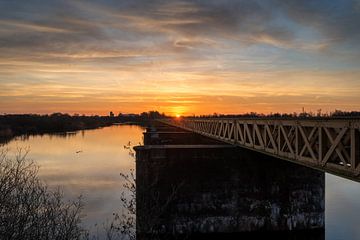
column 192, row 187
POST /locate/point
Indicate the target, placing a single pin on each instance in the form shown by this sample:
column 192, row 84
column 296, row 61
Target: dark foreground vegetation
column 16, row 125
column 28, row 209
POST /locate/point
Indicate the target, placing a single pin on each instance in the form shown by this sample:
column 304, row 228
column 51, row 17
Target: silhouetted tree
column 28, row 209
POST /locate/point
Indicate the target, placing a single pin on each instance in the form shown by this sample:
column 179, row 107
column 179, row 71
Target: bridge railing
column 332, row 145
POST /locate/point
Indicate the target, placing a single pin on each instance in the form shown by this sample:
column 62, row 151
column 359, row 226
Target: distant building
column 131, row 115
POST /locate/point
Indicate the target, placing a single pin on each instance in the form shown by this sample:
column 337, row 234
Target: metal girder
column 331, row 145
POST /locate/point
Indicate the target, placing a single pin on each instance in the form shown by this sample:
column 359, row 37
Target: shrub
column 28, row 209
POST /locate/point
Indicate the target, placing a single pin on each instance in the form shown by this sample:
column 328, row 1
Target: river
column 89, row 163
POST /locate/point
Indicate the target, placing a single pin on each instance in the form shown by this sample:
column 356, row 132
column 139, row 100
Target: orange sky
column 178, row 57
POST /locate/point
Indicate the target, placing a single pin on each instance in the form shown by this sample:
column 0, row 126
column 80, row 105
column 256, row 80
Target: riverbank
column 12, row 126
column 85, row 163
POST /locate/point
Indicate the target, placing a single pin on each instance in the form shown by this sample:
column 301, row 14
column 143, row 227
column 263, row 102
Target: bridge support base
column 219, row 191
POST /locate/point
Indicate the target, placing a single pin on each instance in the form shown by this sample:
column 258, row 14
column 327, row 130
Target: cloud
column 183, row 27
column 75, row 52
column 11, row 24
column 337, row 20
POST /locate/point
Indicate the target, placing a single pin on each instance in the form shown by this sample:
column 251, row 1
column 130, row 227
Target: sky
column 179, row 57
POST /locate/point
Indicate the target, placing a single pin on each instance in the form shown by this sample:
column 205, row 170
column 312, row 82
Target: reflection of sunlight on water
column 87, row 164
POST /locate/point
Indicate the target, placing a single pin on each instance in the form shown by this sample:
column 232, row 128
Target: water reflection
column 342, row 208
column 86, row 163
column 94, row 173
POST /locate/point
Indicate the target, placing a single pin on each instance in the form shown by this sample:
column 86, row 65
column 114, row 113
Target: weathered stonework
column 184, row 190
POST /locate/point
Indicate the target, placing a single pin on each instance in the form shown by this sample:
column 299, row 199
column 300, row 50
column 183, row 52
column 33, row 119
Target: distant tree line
column 318, row 114
column 12, row 125
column 142, row 117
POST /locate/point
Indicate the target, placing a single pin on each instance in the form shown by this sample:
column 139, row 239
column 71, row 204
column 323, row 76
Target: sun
column 177, row 115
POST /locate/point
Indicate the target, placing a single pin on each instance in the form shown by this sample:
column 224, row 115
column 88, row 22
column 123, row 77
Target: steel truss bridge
column 330, row 145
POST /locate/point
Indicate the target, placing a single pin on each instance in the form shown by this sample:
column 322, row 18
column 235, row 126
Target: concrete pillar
column 222, row 191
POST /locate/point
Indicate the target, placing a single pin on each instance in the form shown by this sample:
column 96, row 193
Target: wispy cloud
column 161, row 54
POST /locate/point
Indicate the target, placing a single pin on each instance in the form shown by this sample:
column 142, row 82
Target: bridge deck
column 331, row 145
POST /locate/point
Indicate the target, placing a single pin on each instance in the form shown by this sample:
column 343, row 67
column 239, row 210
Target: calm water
column 94, row 173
